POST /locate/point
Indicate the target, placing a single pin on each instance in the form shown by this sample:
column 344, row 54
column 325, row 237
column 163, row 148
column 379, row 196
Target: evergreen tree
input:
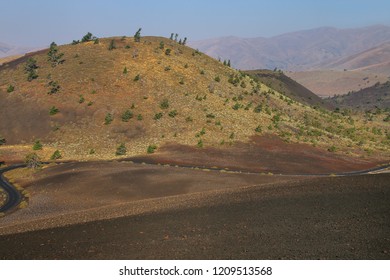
column 161, row 45
column 228, row 63
column 30, row 69
column 137, row 35
column 54, row 56
column 87, row 37
column 112, row 45
column 176, row 35
column 184, row 41
column 171, row 38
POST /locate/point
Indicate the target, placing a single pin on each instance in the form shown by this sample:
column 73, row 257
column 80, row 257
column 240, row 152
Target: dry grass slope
column 141, row 94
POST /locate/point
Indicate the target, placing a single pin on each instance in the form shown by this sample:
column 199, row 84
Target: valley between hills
column 144, row 148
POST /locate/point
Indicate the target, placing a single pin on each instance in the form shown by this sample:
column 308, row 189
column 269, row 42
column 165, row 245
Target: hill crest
column 145, row 95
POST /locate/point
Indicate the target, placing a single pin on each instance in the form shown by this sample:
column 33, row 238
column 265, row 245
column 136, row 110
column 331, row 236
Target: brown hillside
column 179, row 96
column 326, row 83
column 284, row 84
column 372, row 98
column 375, row 60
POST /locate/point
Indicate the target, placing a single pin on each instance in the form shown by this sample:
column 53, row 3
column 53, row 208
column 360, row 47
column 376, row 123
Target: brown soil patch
column 320, row 218
column 76, row 187
column 262, row 154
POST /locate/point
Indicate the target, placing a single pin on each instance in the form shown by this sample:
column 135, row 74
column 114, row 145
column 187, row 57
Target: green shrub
column 164, row 104
column 10, row 88
column 56, row 155
column 139, row 117
column 54, row 87
column 332, row 149
column 121, row 150
column 200, row 143
column 217, row 79
column 258, row 128
column 258, row 109
column 108, row 119
column 236, row 106
column 168, row 52
column 112, row 45
column 158, row 116
column 173, row 113
column 37, row 145
column 81, row 99
column 53, row 110
column 2, row 140
column 127, row 115
column 33, row 161
column 125, row 70
column 137, row 78
column 151, row 149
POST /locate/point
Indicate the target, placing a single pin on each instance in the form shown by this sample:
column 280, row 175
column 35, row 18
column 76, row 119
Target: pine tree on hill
column 137, row 35
column 54, row 56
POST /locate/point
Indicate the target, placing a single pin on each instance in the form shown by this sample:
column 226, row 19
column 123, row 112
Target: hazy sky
column 39, row 22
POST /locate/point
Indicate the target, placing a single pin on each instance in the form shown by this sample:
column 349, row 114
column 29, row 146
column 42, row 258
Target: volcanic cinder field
column 144, row 148
column 135, row 210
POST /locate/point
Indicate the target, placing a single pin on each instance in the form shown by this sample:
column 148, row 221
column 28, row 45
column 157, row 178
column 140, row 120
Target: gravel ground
column 3, row 197
column 317, row 218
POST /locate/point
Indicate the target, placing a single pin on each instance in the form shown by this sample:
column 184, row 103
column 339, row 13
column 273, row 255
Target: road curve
column 13, row 195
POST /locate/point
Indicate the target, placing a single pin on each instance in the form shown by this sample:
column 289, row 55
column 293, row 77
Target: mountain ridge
column 301, row 50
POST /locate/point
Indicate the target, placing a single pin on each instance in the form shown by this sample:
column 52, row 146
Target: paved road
column 13, row 195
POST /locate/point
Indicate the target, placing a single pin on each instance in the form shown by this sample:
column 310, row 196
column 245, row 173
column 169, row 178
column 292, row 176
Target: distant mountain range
column 374, row 60
column 322, row 48
column 9, row 50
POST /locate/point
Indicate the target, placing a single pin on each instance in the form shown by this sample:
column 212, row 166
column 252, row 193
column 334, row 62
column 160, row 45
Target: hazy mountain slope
column 377, row 96
column 9, row 50
column 330, row 82
column 297, row 51
column 150, row 93
column 282, row 83
column 376, row 60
